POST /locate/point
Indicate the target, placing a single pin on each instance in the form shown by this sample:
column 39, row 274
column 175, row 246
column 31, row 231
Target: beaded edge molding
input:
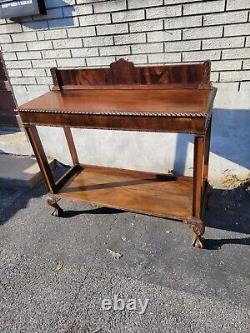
column 113, row 113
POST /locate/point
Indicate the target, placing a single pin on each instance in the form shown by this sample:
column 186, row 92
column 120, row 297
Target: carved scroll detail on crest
column 123, row 72
column 206, row 72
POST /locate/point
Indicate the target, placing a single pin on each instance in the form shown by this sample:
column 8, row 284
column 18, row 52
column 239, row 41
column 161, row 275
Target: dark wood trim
column 66, row 177
column 198, row 175
column 71, row 145
column 41, row 158
column 132, row 86
column 207, row 150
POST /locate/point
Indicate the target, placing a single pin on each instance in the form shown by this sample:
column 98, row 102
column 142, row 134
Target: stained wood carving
column 123, row 72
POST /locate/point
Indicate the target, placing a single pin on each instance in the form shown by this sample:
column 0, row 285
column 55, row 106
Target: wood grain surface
column 148, row 193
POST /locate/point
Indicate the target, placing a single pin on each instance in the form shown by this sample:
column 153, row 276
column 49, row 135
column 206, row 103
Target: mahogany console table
column 176, row 98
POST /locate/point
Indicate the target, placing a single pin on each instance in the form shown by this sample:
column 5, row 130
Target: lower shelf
column 146, row 193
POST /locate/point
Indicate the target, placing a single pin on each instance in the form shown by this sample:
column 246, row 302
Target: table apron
column 195, row 125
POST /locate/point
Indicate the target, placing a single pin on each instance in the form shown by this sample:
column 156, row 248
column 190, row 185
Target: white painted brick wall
column 78, row 33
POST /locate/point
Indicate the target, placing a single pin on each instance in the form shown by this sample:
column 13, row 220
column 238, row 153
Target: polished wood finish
column 176, row 98
column 71, row 145
column 183, row 110
column 147, row 193
column 160, row 102
column 125, row 73
column 41, row 158
column 198, row 175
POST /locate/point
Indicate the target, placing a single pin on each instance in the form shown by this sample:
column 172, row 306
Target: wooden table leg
column 207, row 189
column 206, row 151
column 197, row 223
column 44, row 167
column 71, row 145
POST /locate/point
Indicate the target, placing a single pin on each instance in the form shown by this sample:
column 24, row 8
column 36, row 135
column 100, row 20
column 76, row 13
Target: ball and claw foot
column 53, row 202
column 198, row 231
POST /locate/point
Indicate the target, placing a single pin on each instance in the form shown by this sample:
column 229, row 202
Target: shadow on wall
column 230, row 139
column 59, row 17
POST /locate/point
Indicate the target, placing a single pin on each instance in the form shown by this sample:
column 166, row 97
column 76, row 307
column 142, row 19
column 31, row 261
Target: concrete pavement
column 55, row 272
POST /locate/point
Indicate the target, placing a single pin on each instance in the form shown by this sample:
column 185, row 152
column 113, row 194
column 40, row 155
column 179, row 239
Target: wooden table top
column 186, row 102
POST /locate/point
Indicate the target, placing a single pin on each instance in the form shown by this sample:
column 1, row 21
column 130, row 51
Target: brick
column 95, row 19
column 85, row 52
column 5, row 39
column 51, row 14
column 52, row 34
column 54, row 54
column 112, row 29
column 23, row 80
column 238, row 4
column 144, row 3
column 63, row 22
column 146, row 26
column 39, row 89
column 183, row 46
column 71, row 63
column 236, row 53
column 137, row 59
column 10, row 56
column 126, row 16
column 110, row 6
column 201, row 55
column 14, row 73
column 225, row 18
column 168, row 11
column 44, row 80
column 173, row 2
column 245, row 86
column 14, row 47
column 99, row 61
column 183, row 22
column 18, row 64
column 227, row 85
column 98, row 41
column 46, row 63
column 67, row 43
column 223, row 43
column 160, row 36
column 39, row 45
column 214, row 76
column 248, row 41
column 235, row 76
column 164, row 58
column 18, row 90
column 204, row 7
column 29, row 55
column 10, row 28
column 34, row 26
column 81, row 32
column 86, row 1
column 237, row 29
column 130, row 39
column 33, row 72
column 114, row 50
column 147, row 48
column 224, row 65
column 207, row 32
column 24, row 37
column 77, row 10
column 246, row 64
